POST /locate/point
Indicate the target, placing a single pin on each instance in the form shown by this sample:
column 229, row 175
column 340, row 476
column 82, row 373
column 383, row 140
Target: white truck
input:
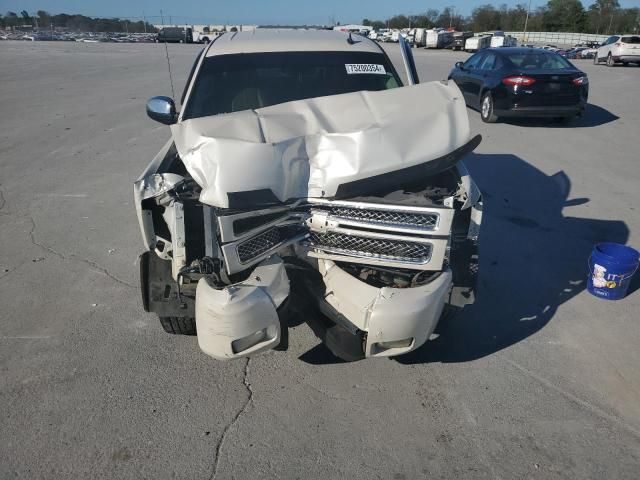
column 269, row 203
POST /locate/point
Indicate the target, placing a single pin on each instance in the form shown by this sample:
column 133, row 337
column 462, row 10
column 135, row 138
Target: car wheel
column 610, row 62
column 486, row 109
column 179, row 325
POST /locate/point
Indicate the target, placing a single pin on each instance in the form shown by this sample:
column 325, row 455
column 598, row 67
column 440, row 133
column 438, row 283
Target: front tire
column 610, row 62
column 486, row 109
column 179, row 325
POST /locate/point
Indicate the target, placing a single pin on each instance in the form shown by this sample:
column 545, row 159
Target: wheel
column 179, row 325
column 610, row 62
column 625, row 64
column 205, row 40
column 486, row 109
column 181, row 41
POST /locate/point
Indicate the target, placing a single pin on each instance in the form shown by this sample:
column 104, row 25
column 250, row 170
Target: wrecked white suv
column 304, row 181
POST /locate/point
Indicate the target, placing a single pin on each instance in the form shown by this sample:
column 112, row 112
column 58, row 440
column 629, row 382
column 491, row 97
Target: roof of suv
column 289, row 40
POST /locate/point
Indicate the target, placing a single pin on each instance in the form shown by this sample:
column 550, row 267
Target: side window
column 474, row 61
column 489, row 62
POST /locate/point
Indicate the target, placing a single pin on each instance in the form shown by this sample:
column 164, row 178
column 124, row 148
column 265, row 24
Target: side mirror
column 163, row 110
column 460, row 65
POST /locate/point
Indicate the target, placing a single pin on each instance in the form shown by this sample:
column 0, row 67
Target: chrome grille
column 398, row 250
column 387, row 217
column 259, row 244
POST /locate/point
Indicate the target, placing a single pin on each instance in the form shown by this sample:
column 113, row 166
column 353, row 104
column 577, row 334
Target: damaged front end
column 371, row 219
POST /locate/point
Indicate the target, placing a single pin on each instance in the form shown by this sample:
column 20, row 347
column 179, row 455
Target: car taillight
column 518, row 80
column 580, row 81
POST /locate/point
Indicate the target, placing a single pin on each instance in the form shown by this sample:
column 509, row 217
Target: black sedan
column 523, row 82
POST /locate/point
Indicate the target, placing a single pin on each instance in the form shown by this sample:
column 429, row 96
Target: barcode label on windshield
column 354, row 68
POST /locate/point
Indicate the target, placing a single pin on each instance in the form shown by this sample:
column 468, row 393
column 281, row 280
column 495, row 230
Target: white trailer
column 438, row 38
column 473, row 44
column 420, row 37
column 503, row 41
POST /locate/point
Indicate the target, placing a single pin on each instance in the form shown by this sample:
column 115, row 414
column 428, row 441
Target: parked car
column 268, row 200
column 524, row 82
column 574, row 52
column 624, row 49
column 175, row 35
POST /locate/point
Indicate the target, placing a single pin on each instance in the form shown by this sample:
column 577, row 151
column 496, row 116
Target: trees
column 564, row 16
column 485, row 18
column 11, row 19
column 44, row 19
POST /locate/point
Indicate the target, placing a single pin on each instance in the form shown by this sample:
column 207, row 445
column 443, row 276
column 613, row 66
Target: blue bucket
column 611, row 267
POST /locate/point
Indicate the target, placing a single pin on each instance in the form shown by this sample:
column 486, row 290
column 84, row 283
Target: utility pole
column 144, row 21
column 526, row 22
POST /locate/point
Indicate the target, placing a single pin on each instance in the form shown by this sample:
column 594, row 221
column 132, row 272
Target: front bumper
column 393, row 321
column 242, row 319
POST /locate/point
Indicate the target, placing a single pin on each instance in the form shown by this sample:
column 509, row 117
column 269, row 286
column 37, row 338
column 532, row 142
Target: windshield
column 538, row 61
column 230, row 83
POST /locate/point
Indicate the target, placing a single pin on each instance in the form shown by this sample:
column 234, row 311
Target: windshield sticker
column 355, row 68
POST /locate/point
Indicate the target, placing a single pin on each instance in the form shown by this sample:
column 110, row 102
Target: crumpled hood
column 309, row 148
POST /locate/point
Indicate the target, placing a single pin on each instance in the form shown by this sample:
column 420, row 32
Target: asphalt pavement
column 538, row 379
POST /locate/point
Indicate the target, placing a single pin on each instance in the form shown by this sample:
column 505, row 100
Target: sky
column 284, row 12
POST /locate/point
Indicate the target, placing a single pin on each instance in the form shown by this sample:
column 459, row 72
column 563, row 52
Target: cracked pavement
column 537, row 380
